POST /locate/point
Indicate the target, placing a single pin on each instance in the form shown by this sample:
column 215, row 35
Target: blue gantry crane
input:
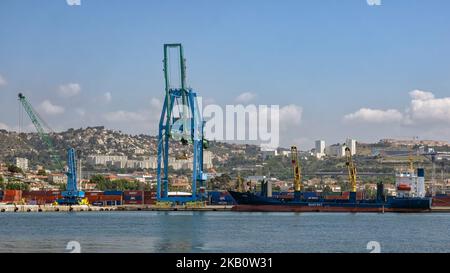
column 184, row 125
column 71, row 196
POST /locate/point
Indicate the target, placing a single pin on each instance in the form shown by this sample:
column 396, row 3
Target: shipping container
column 336, row 197
column 110, row 197
column 132, row 202
column 12, row 196
column 133, row 198
column 93, row 193
column 133, row 192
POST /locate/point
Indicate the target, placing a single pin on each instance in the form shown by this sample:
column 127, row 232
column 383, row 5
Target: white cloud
column 291, row 115
column 421, row 95
column 69, row 90
column 3, row 81
column 108, row 97
column 375, row 115
column 139, row 121
column 245, row 97
column 51, row 109
column 426, row 108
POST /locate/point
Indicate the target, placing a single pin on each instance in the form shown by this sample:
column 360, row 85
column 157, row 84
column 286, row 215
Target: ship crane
column 71, row 196
column 297, row 172
column 181, row 120
column 351, row 172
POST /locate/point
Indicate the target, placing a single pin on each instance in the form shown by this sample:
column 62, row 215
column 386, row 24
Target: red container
column 93, row 193
column 336, row 197
column 93, row 199
column 12, row 195
column 149, row 202
column 359, row 195
column 132, row 202
column 109, row 198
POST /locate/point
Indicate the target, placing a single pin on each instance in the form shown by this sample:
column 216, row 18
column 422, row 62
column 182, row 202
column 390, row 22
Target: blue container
column 112, row 192
column 132, row 198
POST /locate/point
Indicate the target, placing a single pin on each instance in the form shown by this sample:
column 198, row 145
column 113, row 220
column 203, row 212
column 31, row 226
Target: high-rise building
column 320, row 148
column 336, row 150
column 22, row 163
column 351, row 143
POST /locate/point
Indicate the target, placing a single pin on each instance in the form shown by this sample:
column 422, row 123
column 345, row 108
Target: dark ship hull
column 252, row 202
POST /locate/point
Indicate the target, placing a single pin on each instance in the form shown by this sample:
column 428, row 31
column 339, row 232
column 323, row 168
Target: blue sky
column 347, row 68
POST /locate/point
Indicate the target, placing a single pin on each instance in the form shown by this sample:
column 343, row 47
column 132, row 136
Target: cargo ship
column 410, row 198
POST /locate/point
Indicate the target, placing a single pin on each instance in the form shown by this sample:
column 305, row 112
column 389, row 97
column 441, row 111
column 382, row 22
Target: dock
column 86, row 208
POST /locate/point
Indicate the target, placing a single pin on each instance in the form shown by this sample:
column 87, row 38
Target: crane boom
column 39, row 123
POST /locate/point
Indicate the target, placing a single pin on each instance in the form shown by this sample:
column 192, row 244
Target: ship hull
column 248, row 202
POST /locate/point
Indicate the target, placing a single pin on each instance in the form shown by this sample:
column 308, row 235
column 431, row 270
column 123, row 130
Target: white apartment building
column 320, row 148
column 351, row 143
column 122, row 162
column 336, row 150
column 103, row 159
column 22, row 163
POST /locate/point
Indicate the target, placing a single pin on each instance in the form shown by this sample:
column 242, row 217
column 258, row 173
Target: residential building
column 22, row 163
column 57, row 178
column 336, row 150
column 351, row 143
column 266, row 154
column 320, row 148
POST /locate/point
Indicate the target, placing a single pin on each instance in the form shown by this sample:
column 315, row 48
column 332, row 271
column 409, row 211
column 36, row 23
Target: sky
column 336, row 68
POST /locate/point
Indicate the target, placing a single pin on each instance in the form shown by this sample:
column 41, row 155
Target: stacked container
column 133, row 197
column 41, row 197
column 93, row 197
column 12, row 196
column 359, row 195
column 149, row 197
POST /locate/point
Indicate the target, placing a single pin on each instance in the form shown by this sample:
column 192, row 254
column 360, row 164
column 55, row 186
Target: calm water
column 223, row 232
